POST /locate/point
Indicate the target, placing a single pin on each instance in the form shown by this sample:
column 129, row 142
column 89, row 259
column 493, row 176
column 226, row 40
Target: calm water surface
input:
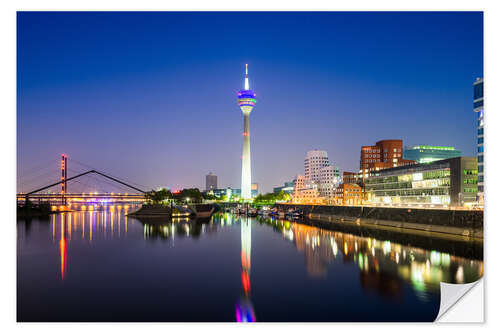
column 104, row 266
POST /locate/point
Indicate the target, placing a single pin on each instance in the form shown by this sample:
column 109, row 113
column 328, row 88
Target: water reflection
column 383, row 264
column 244, row 307
column 383, row 267
column 83, row 225
column 62, row 246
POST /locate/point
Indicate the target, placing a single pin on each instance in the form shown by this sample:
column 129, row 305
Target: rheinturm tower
column 246, row 101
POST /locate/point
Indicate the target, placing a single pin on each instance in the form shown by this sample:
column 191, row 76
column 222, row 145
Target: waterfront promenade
column 463, row 223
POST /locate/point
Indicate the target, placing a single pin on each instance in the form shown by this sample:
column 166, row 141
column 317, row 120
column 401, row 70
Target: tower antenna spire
column 247, row 85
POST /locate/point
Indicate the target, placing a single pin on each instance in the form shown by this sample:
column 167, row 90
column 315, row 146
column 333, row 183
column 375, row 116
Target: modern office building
column 210, row 182
column 384, row 154
column 450, row 182
column 246, row 101
column 237, row 192
column 426, row 154
column 230, row 193
column 287, row 188
column 479, row 109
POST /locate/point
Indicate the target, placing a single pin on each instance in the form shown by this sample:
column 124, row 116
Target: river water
column 105, row 266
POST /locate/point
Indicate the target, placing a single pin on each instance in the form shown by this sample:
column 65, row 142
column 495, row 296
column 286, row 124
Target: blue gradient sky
column 151, row 97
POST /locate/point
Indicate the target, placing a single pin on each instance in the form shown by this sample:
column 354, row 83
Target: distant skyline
column 151, row 96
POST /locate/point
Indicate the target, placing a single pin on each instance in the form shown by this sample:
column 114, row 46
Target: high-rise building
column 210, row 182
column 246, row 101
column 479, row 109
column 315, row 160
column 385, row 154
column 427, row 154
column 320, row 174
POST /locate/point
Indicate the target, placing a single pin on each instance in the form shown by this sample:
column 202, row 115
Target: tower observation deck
column 246, row 102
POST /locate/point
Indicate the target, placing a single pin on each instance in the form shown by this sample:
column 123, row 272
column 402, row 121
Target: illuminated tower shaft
column 246, row 169
column 246, row 101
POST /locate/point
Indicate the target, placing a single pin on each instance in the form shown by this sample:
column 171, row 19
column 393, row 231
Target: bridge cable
column 39, row 166
column 107, row 173
column 95, row 183
column 34, row 180
column 98, row 178
column 98, row 181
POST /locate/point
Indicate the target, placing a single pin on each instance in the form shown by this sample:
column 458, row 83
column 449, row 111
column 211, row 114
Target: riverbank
column 34, row 211
column 461, row 223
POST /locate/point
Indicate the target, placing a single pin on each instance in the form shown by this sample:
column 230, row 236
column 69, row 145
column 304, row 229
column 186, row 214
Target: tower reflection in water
column 384, row 266
column 244, row 307
column 194, row 228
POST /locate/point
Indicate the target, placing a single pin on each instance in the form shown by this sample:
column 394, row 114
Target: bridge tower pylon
column 64, row 177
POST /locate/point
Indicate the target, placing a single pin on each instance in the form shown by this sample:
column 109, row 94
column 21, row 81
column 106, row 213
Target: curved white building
column 318, row 171
column 315, row 160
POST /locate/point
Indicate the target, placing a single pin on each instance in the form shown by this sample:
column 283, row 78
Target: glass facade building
column 230, row 193
column 287, row 188
column 450, row 182
column 426, row 154
column 479, row 109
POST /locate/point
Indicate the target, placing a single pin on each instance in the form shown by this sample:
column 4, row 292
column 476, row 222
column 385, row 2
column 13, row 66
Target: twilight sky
column 151, row 97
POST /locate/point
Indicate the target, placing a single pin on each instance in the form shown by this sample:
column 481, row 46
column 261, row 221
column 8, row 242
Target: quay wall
column 467, row 223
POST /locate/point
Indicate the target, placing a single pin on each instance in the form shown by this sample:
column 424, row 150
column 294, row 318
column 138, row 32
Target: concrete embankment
column 464, row 223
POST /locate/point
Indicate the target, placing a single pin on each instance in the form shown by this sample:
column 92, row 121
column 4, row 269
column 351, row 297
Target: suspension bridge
column 87, row 186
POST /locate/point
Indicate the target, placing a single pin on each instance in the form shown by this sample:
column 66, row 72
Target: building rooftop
column 432, row 147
